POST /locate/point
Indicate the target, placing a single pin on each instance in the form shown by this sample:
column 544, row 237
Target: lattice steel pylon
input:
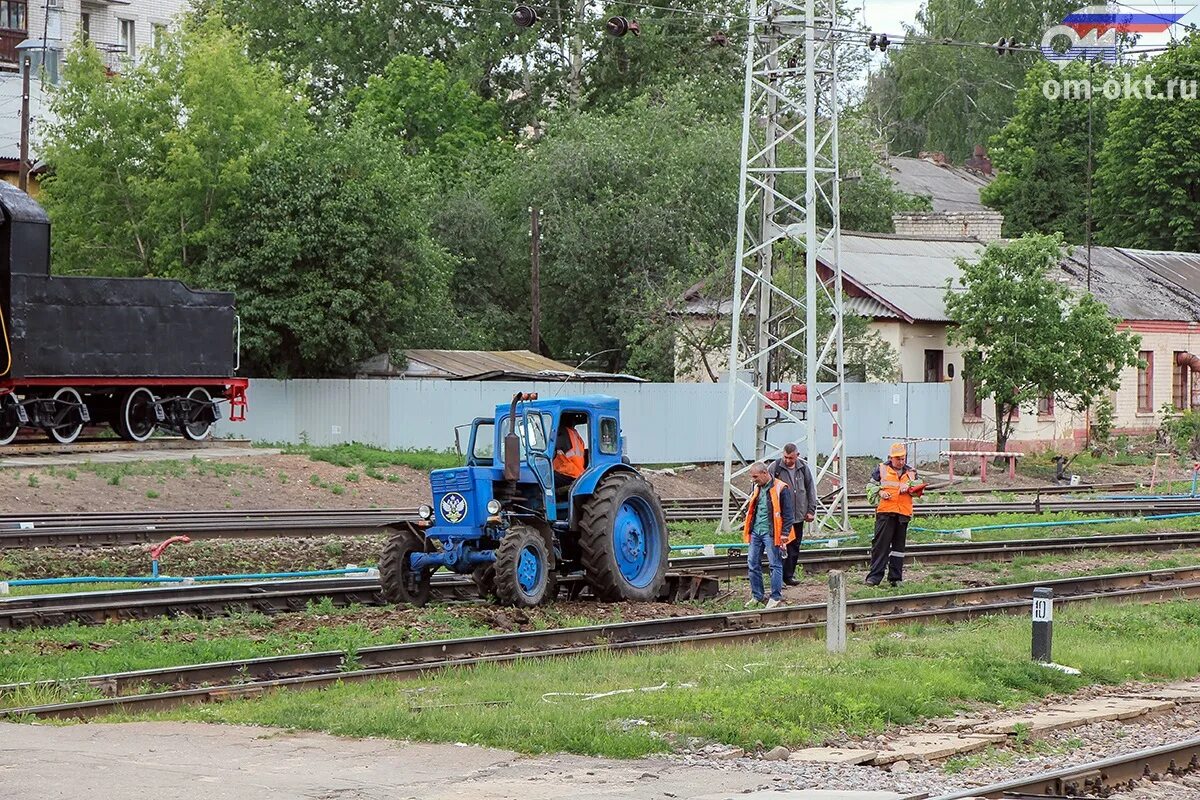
column 789, row 191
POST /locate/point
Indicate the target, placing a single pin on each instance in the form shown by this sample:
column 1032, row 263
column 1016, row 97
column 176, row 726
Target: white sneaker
column 753, row 604
column 774, row 603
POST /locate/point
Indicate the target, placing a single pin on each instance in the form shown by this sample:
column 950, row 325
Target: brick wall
column 982, row 225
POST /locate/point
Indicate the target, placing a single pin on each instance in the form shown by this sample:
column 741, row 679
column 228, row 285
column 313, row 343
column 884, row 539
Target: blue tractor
column 516, row 526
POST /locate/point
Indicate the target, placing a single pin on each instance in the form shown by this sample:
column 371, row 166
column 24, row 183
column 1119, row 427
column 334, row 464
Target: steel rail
column 24, row 531
column 199, row 683
column 277, row 596
column 1096, row 778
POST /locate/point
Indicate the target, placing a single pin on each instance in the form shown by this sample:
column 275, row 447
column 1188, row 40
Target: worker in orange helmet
column 569, row 459
column 892, row 488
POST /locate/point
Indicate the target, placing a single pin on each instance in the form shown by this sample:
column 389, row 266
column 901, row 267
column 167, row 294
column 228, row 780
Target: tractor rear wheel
column 400, row 583
column 623, row 538
column 524, row 568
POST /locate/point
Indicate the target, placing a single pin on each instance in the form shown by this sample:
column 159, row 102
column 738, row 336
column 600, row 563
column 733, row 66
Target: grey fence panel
column 663, row 423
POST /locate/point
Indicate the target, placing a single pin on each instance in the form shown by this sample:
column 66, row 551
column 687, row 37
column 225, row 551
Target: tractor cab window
column 609, row 436
column 484, row 449
column 530, row 430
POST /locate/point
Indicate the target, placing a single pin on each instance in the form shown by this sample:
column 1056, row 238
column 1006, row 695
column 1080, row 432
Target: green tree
column 329, row 251
column 1041, row 154
column 417, row 102
column 1029, row 335
column 142, row 162
column 931, row 97
column 638, row 204
column 1147, row 184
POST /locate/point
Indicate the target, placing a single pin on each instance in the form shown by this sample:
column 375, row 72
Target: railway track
column 158, row 689
column 1096, row 778
column 278, row 596
column 116, row 529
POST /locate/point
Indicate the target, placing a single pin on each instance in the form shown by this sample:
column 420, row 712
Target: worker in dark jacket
column 792, row 470
column 768, row 529
column 893, row 486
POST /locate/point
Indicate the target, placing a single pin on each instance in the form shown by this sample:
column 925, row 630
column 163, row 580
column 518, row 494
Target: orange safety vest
column 892, row 481
column 571, row 463
column 775, row 497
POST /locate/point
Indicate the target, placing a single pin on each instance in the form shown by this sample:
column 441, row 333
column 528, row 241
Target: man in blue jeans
column 768, row 529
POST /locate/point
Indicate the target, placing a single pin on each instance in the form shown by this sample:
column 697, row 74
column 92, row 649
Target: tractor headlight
column 425, row 512
column 493, row 507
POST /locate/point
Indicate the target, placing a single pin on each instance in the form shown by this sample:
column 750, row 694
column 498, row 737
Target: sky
column 890, row 17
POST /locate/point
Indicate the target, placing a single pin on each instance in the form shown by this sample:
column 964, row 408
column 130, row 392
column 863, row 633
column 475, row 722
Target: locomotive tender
column 138, row 354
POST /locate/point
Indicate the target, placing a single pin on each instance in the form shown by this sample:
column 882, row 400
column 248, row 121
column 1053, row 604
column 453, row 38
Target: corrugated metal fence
column 663, row 422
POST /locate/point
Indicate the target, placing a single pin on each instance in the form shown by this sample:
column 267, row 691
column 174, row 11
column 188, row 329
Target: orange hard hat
column 897, row 451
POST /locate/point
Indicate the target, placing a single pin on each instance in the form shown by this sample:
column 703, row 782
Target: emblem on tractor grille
column 454, row 508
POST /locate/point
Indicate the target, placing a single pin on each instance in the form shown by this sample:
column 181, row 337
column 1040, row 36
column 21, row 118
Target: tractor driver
column 569, row 461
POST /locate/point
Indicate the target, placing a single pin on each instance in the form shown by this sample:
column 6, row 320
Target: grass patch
column 731, row 693
column 361, row 455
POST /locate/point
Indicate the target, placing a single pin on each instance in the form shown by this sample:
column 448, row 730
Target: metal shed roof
column 949, row 188
column 464, row 363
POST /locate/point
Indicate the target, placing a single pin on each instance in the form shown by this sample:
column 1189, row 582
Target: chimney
column 979, row 162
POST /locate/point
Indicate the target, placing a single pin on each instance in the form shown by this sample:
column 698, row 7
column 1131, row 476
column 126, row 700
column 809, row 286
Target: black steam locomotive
column 139, row 354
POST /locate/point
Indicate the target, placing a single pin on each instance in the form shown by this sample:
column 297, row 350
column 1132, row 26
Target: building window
column 1046, row 406
column 1145, row 382
column 159, row 34
column 972, row 401
column 933, row 366
column 1181, row 385
column 12, row 15
column 85, row 25
column 128, row 38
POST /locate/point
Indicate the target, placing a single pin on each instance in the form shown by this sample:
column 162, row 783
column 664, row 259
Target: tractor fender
column 586, row 485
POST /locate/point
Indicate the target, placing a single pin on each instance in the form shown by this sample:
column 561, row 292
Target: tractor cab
column 543, row 430
column 516, row 483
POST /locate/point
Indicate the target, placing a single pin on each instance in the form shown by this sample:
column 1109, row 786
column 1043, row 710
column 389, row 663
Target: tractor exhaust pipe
column 512, row 445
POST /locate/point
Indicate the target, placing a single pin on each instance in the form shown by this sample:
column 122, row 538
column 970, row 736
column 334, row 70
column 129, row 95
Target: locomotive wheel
column 64, row 431
column 623, row 536
column 9, row 427
column 135, row 415
column 524, row 568
column 399, row 582
column 200, row 428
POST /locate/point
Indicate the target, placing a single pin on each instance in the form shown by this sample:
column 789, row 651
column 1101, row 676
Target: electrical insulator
column 879, row 41
column 1006, row 47
column 619, row 26
column 524, row 17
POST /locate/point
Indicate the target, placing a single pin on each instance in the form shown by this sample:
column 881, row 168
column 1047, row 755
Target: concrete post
column 835, row 615
column 1043, row 623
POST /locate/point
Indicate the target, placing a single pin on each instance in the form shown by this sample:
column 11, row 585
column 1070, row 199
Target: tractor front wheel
column 524, row 568
column 485, row 581
column 400, row 582
column 623, row 537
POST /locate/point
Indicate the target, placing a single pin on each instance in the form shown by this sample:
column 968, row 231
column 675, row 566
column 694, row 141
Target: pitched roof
column 1140, row 284
column 908, row 277
column 949, row 188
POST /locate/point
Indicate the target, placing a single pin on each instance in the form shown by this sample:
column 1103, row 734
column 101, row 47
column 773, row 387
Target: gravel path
column 1001, row 763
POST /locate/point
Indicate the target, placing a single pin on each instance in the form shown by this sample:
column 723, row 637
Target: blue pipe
column 1060, row 523
column 199, row 578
